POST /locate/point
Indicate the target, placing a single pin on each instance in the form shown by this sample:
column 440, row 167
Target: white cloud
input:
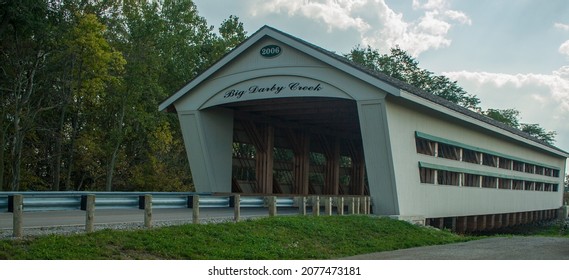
column 377, row 24
column 540, row 98
column 458, row 16
column 561, row 26
column 556, row 83
column 336, row 14
column 564, row 48
column 431, row 23
column 429, row 4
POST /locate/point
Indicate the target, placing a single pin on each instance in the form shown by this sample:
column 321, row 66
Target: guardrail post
column 196, row 209
column 90, row 213
column 316, row 205
column 302, row 205
column 340, row 205
column 16, row 206
column 236, row 199
column 328, row 206
column 272, row 206
column 148, row 210
column 351, row 206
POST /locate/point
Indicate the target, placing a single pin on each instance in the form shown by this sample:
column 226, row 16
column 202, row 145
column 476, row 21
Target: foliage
column 80, row 83
column 539, row 132
column 511, row 117
column 400, row 65
column 293, row 237
column 507, row 116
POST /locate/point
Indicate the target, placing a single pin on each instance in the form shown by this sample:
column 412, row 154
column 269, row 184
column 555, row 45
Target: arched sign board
column 275, row 87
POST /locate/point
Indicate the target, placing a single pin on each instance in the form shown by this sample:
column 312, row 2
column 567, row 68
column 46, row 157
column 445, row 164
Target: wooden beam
column 265, row 160
column 300, row 142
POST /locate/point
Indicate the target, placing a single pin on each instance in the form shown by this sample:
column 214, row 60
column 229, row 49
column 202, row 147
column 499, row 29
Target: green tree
column 80, row 82
column 164, row 45
column 539, row 132
column 94, row 67
column 232, row 34
column 511, row 117
column 141, row 45
column 26, row 40
column 400, row 65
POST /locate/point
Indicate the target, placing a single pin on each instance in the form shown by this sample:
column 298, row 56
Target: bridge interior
column 305, row 145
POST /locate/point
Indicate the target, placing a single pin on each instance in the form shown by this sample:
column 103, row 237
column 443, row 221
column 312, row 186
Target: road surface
column 494, row 248
column 114, row 216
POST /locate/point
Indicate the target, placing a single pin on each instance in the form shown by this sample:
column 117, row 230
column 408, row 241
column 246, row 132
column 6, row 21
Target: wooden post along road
column 90, row 218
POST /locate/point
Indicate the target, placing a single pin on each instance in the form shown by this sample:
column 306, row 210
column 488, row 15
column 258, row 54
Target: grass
column 294, row 237
column 552, row 229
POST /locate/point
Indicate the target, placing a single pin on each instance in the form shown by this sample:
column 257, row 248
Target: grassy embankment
column 268, row 238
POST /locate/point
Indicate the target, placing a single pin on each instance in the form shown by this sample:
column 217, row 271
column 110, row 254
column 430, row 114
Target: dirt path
column 496, row 248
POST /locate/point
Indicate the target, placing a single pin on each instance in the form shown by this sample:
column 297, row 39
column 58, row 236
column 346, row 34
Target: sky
column 510, row 54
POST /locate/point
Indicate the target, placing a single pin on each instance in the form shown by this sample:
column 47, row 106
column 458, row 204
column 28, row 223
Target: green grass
column 554, row 229
column 296, row 237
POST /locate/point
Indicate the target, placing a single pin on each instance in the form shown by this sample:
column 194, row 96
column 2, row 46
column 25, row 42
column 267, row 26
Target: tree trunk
column 2, row 149
column 71, row 151
column 25, row 86
column 17, row 143
column 114, row 154
column 111, row 169
column 74, row 124
column 58, row 153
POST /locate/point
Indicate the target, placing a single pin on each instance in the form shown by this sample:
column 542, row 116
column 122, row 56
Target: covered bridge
column 280, row 115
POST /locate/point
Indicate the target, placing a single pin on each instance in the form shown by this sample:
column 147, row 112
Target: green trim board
column 477, row 149
column 482, row 173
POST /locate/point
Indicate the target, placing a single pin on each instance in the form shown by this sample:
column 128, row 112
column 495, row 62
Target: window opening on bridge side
column 425, row 146
column 448, row 178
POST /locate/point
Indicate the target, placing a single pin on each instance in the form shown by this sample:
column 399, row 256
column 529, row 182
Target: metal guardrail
column 50, row 201
column 19, row 202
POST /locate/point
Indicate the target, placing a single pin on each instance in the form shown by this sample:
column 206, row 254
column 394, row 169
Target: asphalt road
column 495, row 248
column 115, row 216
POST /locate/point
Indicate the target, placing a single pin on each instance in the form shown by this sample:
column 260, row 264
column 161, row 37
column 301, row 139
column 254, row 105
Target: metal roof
column 387, row 83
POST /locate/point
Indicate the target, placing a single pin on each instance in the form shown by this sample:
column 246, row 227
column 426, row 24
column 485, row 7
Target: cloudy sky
column 511, row 54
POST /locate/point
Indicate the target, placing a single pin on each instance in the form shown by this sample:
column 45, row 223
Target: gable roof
column 387, row 83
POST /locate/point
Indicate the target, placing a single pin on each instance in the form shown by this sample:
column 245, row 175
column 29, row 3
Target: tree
column 164, row 45
column 232, row 34
column 508, row 116
column 400, row 65
column 94, row 67
column 26, row 41
column 538, row 132
column 80, row 82
column 511, row 117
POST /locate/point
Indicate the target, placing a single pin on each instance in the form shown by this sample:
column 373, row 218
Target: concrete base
column 417, row 220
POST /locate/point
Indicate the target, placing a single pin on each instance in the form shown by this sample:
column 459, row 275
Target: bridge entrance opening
column 305, row 145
